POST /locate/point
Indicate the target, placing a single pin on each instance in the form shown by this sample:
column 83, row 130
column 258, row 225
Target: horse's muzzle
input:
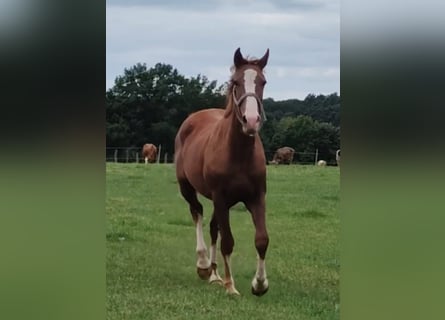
column 251, row 124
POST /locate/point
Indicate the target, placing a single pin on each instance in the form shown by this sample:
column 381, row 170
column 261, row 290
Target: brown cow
column 149, row 152
column 283, row 155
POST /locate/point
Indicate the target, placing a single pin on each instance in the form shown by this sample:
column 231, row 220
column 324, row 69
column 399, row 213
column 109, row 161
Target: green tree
column 148, row 105
column 306, row 135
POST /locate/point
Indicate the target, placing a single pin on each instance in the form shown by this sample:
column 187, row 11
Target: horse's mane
column 231, row 84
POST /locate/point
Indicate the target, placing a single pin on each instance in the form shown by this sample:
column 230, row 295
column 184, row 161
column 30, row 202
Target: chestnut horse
column 219, row 154
column 149, row 152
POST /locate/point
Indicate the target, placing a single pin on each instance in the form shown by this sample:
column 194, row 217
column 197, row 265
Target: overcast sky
column 200, row 37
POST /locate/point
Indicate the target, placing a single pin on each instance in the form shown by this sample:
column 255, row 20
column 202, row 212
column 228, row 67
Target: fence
column 133, row 155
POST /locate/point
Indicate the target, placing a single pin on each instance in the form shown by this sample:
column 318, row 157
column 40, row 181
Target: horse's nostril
column 244, row 119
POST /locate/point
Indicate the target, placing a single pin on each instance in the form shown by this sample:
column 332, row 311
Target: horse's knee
column 227, row 244
column 196, row 211
column 213, row 223
column 261, row 244
column 196, row 207
column 213, row 229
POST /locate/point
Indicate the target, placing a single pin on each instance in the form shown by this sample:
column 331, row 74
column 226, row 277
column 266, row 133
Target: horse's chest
column 239, row 184
column 234, row 180
column 239, row 187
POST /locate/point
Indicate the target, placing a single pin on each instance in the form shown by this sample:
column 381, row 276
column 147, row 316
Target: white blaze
column 249, row 86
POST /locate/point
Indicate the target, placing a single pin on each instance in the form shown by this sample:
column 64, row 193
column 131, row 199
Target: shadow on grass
column 239, row 207
column 310, row 214
column 184, row 223
column 118, row 236
column 331, row 198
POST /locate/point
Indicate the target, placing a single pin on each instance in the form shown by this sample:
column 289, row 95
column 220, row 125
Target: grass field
column 151, row 244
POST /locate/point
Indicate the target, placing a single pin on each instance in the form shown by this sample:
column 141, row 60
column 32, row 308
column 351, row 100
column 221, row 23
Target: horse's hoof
column 232, row 291
column 204, row 273
column 259, row 287
column 215, row 279
column 260, row 292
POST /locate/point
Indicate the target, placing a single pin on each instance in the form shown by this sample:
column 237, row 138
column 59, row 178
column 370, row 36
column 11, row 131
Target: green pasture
column 151, row 259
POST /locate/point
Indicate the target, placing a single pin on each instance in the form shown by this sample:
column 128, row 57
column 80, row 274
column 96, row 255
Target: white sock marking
column 227, row 259
column 261, row 270
column 231, row 289
column 201, row 248
column 213, row 253
column 214, row 276
column 260, row 279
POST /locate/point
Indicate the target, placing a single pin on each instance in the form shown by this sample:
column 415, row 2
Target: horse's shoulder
column 208, row 114
column 202, row 119
column 198, row 126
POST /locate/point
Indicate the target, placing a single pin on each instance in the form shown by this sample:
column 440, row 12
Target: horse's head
column 248, row 83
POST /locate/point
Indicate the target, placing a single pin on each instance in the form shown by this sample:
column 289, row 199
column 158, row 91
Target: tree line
column 147, row 105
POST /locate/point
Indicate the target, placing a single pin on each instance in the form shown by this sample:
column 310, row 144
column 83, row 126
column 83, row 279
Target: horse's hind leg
column 203, row 263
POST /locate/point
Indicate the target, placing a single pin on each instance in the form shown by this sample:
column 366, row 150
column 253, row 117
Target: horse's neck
column 238, row 143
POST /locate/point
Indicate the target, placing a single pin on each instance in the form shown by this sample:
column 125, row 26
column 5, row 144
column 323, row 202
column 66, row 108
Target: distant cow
column 283, row 155
column 149, row 152
column 337, row 157
column 321, row 163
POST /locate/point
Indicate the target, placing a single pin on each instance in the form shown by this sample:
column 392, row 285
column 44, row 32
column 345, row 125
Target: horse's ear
column 263, row 61
column 238, row 59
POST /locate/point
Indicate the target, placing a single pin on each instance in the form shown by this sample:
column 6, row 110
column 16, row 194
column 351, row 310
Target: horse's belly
column 192, row 165
column 198, row 183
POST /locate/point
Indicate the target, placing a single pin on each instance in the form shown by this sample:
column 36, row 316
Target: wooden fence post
column 159, row 154
column 127, row 155
column 137, row 157
column 165, row 157
column 115, row 155
column 316, row 156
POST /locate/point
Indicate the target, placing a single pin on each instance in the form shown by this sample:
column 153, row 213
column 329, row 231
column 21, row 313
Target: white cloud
column 304, row 45
column 305, row 72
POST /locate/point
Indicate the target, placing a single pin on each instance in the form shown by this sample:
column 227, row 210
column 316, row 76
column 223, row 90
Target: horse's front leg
column 227, row 242
column 257, row 208
column 214, row 276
